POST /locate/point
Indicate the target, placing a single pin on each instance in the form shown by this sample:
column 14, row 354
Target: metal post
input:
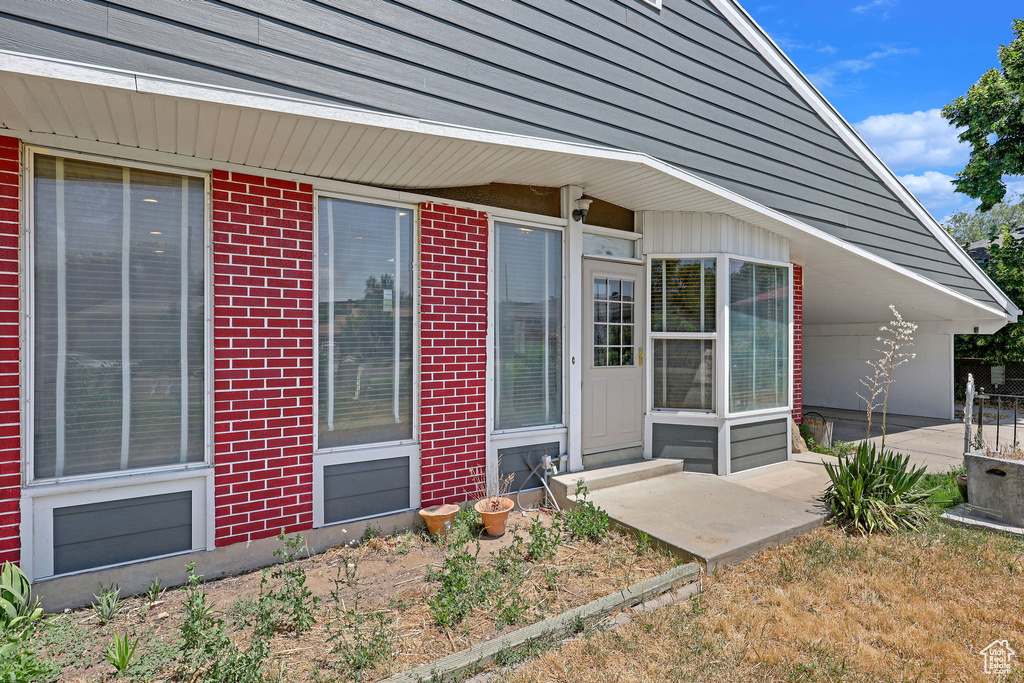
column 968, row 411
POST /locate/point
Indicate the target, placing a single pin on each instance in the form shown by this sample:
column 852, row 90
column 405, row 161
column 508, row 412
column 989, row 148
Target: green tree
column 967, row 227
column 992, row 112
column 1006, row 268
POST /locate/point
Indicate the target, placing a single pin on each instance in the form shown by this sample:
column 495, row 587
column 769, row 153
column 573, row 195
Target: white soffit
column 214, row 125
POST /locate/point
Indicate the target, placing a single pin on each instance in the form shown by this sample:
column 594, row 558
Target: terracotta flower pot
column 961, row 483
column 439, row 518
column 494, row 515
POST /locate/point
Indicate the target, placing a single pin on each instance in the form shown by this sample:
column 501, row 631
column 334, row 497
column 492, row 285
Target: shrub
column 365, row 641
column 108, row 603
column 874, row 490
column 464, row 585
column 586, row 520
column 19, row 617
column 543, row 541
column 290, row 607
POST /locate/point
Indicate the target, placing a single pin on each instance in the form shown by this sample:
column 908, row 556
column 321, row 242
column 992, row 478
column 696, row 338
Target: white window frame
column 715, row 337
column 764, row 413
column 39, row 497
column 405, row 448
column 113, row 478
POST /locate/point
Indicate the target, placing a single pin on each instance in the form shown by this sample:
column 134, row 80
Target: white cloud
column 827, row 76
column 935, row 191
column 875, row 6
column 907, row 142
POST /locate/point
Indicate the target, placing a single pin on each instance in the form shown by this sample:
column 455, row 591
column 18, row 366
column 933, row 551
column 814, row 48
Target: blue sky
column 889, row 66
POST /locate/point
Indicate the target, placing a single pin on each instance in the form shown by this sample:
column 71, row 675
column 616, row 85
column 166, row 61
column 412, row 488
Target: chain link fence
column 1011, row 382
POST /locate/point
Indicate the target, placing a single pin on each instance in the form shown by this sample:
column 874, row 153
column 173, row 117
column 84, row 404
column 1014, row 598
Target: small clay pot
column 439, row 518
column 961, row 483
column 494, row 520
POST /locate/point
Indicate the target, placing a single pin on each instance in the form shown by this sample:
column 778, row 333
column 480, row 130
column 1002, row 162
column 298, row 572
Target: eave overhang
column 45, row 101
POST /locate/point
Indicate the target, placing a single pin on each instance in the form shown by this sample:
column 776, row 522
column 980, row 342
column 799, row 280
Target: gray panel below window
column 99, row 534
column 696, row 446
column 518, row 461
column 757, row 444
column 363, row 489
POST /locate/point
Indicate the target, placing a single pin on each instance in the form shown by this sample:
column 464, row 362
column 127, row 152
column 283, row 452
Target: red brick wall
column 453, row 334
column 263, row 356
column 798, row 343
column 10, row 344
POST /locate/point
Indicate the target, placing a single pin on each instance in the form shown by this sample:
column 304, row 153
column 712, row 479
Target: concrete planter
column 996, row 487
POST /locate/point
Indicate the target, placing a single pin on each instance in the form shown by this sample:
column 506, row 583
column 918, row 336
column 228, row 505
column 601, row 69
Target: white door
column 612, row 355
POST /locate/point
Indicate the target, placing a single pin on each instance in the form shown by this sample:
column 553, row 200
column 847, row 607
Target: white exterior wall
column 835, row 360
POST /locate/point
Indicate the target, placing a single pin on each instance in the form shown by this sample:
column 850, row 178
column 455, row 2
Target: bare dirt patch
column 384, row 582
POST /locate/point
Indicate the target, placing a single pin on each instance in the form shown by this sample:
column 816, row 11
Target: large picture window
column 758, row 336
column 529, row 353
column 118, row 318
column 683, row 331
column 365, row 366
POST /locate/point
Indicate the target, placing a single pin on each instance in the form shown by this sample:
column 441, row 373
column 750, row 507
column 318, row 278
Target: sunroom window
column 365, row 367
column 683, row 332
column 529, row 343
column 758, row 336
column 118, row 318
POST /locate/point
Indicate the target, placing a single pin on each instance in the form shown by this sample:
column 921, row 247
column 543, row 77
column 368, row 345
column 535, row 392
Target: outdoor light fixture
column 582, row 207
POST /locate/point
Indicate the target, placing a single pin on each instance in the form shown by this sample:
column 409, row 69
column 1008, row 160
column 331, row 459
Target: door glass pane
column 684, row 371
column 616, row 338
column 758, row 336
column 682, row 295
column 529, row 335
column 365, row 324
column 119, row 318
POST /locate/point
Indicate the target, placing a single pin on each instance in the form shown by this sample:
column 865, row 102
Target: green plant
column 643, row 542
column 365, row 641
column 875, row 490
column 16, row 596
column 108, row 603
column 154, row 590
column 371, row 532
column 20, row 615
column 464, row 585
column 120, row 652
column 291, row 606
column 543, row 541
column 207, row 651
column 585, row 520
column 350, row 565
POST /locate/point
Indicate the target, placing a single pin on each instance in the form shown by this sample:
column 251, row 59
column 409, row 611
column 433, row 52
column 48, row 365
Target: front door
column 612, row 355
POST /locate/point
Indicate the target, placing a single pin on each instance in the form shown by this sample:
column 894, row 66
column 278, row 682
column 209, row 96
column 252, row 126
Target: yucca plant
column 16, row 596
column 120, row 652
column 876, row 490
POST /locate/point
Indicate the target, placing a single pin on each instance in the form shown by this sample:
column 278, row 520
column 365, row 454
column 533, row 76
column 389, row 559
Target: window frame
column 111, row 478
column 727, row 410
column 558, row 226
column 347, row 454
column 715, row 337
column 721, row 399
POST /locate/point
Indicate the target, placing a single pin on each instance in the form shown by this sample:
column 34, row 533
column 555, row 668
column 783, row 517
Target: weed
column 154, row 660
column 643, row 542
column 120, row 652
column 550, row 578
column 108, row 603
column 511, row 608
column 19, row 617
column 154, row 590
column 365, row 641
column 405, row 540
column 207, row 651
column 509, row 561
column 464, row 585
column 398, row 604
column 350, row 565
column 465, row 527
column 290, row 607
column 528, row 650
column 371, row 532
column 543, row 542
column 586, row 520
column 243, row 610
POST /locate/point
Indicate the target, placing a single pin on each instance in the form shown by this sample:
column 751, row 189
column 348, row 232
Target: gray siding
column 696, row 446
column 760, row 443
column 98, row 534
column 680, row 84
column 515, row 461
column 362, row 489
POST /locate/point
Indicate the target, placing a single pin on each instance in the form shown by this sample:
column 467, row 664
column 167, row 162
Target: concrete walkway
column 718, row 520
column 936, row 444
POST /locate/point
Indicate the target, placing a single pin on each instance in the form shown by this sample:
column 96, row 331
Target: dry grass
column 829, row 607
column 1005, row 452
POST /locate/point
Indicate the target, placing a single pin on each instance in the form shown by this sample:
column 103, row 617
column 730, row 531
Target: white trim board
column 762, row 42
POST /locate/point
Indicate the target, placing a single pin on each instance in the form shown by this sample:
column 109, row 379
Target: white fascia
column 762, row 42
column 87, row 74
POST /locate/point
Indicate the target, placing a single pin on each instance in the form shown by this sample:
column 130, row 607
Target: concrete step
column 564, row 485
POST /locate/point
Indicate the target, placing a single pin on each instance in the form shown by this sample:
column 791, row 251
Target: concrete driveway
column 936, row 444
